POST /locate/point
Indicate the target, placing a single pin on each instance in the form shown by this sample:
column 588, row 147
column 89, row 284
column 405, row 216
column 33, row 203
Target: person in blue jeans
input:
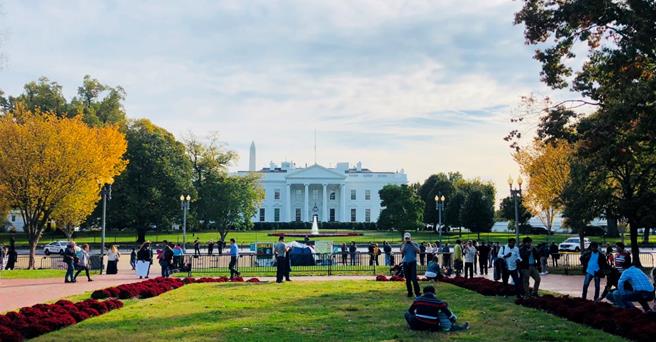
column 594, row 265
column 70, row 258
column 633, row 286
column 234, row 255
column 409, row 251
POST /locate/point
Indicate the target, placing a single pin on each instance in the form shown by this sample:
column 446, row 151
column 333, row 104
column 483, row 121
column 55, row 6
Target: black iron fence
column 51, row 262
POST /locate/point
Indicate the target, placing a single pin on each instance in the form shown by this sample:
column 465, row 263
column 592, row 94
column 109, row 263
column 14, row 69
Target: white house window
column 353, row 215
column 262, row 212
column 276, row 194
column 367, row 195
column 332, row 214
column 276, row 214
column 367, row 215
column 332, row 195
column 13, row 218
column 298, row 214
column 315, row 195
column 353, row 195
column 299, row 194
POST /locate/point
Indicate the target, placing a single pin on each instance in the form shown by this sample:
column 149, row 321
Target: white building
column 339, row 194
column 13, row 221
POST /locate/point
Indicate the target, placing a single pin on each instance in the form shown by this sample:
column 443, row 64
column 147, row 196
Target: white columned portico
column 288, row 199
column 307, row 204
column 342, row 197
column 324, row 211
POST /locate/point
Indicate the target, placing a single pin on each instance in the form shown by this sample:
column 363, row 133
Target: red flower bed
column 145, row 289
column 253, row 280
column 630, row 323
column 30, row 322
column 483, row 286
column 396, row 278
column 381, row 278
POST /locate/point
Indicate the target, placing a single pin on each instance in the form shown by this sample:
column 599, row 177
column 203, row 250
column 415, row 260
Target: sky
column 423, row 86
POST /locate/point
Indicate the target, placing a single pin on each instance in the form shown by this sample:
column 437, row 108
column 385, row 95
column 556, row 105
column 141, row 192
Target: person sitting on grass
column 633, row 286
column 433, row 271
column 432, row 314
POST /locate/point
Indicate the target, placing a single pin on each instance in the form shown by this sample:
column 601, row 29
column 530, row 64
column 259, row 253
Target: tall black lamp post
column 184, row 205
column 106, row 192
column 516, row 194
column 439, row 204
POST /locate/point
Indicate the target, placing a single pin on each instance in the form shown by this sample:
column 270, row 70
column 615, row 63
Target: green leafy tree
column 402, row 208
column 147, row 194
column 476, row 213
column 614, row 144
column 438, row 184
column 229, row 201
column 452, row 208
column 507, row 211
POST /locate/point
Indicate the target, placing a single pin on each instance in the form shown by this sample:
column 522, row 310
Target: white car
column 573, row 244
column 56, row 247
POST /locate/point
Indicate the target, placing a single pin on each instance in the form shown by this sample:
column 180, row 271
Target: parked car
column 573, row 244
column 540, row 231
column 56, row 247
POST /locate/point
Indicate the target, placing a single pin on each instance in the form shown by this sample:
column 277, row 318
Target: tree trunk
column 635, row 248
column 645, row 235
column 581, row 240
column 611, row 230
column 141, row 236
column 31, row 265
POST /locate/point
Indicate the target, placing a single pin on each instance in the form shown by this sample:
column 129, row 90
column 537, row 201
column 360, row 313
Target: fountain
column 315, row 226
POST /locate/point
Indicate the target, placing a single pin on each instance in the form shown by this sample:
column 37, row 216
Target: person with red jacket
column 429, row 313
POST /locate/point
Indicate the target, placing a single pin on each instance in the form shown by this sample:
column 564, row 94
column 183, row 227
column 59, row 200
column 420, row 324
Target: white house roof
column 315, row 172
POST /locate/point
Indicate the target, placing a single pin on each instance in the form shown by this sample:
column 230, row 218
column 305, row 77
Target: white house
column 14, row 221
column 339, row 194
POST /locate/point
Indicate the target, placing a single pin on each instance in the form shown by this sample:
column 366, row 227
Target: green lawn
column 315, row 311
column 247, row 237
column 31, row 274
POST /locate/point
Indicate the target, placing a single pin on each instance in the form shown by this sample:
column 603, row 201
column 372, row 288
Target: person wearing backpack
column 83, row 262
column 70, row 259
column 594, row 265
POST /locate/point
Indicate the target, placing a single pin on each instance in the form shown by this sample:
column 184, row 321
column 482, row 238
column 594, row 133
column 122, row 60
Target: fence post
column 330, row 267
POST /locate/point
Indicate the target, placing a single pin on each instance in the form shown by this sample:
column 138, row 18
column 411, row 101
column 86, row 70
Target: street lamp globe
column 182, row 198
column 188, row 198
column 510, row 181
column 442, row 198
column 437, row 198
column 519, row 181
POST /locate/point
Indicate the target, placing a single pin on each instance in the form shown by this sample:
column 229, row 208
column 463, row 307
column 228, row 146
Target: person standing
column 3, row 256
column 288, row 263
column 387, row 249
column 457, row 257
column 470, row 259
column 594, row 265
column 429, row 252
column 166, row 261
column 70, row 259
column 234, row 255
column 622, row 257
column 196, row 247
column 83, row 262
column 144, row 259
column 279, row 250
column 528, row 265
column 446, row 257
column 178, row 255
column 112, row 260
column 370, row 250
column 376, row 253
column 543, row 249
column 510, row 256
column 210, row 247
column 353, row 250
column 133, row 259
column 422, row 253
column 409, row 251
column 553, row 250
column 344, row 250
column 483, row 257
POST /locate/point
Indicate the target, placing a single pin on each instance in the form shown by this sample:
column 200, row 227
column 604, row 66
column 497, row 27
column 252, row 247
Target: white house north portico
column 340, row 194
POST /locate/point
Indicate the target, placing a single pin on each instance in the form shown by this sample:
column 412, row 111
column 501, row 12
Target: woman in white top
column 112, row 260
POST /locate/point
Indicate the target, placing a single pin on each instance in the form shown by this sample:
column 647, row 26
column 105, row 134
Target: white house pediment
column 316, row 172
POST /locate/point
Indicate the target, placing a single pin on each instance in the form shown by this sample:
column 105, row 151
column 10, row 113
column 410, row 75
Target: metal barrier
column 51, row 262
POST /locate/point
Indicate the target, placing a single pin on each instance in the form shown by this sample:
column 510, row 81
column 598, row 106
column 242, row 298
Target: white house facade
column 339, row 194
column 14, row 221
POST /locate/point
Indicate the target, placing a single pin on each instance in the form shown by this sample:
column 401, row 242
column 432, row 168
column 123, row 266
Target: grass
column 31, row 274
column 315, row 311
column 247, row 237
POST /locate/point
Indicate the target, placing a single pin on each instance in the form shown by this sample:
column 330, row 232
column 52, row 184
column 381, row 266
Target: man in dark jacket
column 70, row 259
column 528, row 266
column 388, row 253
column 167, row 259
column 594, row 265
column 352, row 250
column 430, row 313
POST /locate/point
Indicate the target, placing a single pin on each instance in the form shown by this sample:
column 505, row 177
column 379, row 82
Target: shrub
column 381, row 277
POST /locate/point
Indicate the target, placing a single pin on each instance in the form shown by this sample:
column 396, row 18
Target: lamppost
column 516, row 194
column 184, row 205
column 106, row 192
column 439, row 203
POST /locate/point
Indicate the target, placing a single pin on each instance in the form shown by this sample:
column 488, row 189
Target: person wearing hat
column 409, row 251
column 429, row 313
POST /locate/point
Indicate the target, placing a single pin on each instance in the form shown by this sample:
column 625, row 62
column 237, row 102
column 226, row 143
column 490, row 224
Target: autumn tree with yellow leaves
column 547, row 168
column 53, row 167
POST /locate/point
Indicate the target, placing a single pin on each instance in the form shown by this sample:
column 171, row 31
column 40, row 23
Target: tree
column 229, row 201
column 147, row 193
column 507, row 211
column 207, row 158
column 614, row 143
column 46, row 161
column 42, row 96
column 402, row 208
column 452, row 210
column 476, row 213
column 438, row 184
column 546, row 167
